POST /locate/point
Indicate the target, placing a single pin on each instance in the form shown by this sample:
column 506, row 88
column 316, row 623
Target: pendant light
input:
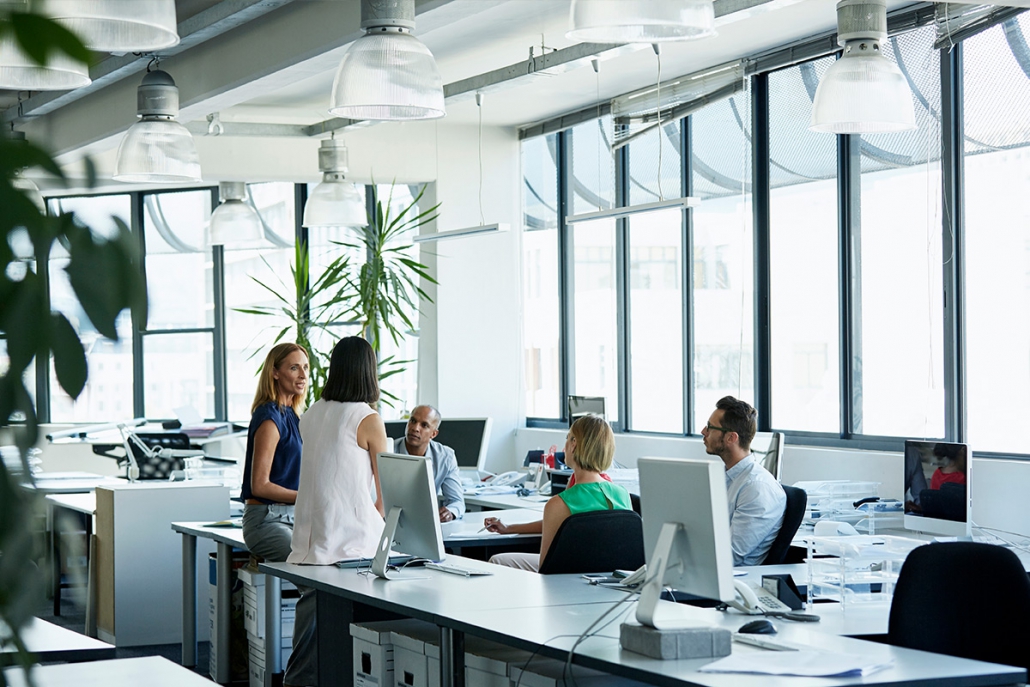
column 388, row 74
column 482, row 227
column 118, row 26
column 234, row 222
column 640, row 21
column 863, row 92
column 18, row 72
column 157, row 148
column 335, row 202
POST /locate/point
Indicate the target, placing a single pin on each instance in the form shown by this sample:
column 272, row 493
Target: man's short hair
column 740, row 417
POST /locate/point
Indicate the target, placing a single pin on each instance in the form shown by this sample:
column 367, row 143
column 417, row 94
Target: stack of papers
column 802, row 663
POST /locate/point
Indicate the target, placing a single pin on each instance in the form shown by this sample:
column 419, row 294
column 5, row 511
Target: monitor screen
column 409, row 500
column 584, row 405
column 469, row 437
column 686, row 528
column 936, row 489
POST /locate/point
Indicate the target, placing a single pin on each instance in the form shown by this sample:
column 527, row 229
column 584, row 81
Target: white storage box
column 416, row 656
column 547, row 672
column 256, row 671
column 486, row 662
column 374, row 652
column 254, row 605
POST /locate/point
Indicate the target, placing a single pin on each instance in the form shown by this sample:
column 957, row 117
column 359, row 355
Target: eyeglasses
column 709, row 426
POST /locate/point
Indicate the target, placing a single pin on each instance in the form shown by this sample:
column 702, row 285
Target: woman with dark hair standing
column 336, row 516
column 272, row 468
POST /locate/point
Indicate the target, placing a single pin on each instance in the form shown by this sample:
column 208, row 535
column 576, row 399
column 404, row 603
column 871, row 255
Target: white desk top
column 71, row 482
column 233, row 536
column 80, row 503
column 506, row 501
column 49, row 642
column 152, row 671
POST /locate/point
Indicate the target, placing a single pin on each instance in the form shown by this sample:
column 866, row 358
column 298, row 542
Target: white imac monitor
column 412, row 513
column 936, row 488
column 686, row 531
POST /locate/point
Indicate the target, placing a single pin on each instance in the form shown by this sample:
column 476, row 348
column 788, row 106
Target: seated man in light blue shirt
column 756, row 499
column 423, row 426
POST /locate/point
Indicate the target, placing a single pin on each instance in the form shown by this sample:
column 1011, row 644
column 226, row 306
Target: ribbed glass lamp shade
column 157, row 150
column 235, row 223
column 19, row 73
column 863, row 94
column 388, row 75
column 118, row 26
column 335, row 204
column 29, row 188
column 640, row 21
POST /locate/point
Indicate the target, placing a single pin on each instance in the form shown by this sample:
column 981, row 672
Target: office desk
column 70, row 482
column 48, row 642
column 546, row 613
column 505, row 501
column 85, row 504
column 457, row 534
column 467, row 532
column 152, row 671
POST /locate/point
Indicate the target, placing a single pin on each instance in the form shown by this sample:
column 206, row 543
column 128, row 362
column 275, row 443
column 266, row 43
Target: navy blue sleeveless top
column 286, row 462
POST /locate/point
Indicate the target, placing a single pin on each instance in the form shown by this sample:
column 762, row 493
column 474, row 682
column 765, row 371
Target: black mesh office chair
column 793, row 514
column 596, row 542
column 963, row 599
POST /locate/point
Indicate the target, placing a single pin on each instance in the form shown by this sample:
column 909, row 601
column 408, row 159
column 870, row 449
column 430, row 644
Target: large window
column 997, row 147
column 108, row 394
column 803, row 244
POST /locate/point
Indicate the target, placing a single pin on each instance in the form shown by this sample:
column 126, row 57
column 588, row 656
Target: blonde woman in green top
column 589, row 451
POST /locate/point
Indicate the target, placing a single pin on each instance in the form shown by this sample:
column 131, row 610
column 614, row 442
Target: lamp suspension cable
column 658, row 97
column 596, row 64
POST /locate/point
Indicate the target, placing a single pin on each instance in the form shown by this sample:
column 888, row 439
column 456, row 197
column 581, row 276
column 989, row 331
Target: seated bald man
column 423, row 426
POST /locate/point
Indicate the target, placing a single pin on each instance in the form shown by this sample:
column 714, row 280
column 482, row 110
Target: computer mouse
column 758, row 627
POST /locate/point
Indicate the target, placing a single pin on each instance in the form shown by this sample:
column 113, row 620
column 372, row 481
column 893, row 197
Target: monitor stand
column 666, row 642
column 381, row 561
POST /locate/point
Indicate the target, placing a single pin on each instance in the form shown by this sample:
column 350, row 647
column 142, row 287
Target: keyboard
column 453, row 570
column 762, row 641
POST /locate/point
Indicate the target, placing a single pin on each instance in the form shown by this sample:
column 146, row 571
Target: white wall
column 478, row 323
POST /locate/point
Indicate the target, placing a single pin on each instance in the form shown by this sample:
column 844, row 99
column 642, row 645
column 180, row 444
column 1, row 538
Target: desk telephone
column 750, row 599
column 505, row 478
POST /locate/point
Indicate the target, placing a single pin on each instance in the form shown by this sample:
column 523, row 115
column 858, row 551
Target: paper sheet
column 802, row 663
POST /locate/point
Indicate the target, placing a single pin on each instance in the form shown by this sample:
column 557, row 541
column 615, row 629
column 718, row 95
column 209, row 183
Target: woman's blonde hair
column 595, row 443
column 266, row 390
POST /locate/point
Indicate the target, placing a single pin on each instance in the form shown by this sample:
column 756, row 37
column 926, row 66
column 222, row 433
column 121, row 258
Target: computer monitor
column 412, row 513
column 936, row 487
column 585, row 405
column 468, row 436
column 686, row 531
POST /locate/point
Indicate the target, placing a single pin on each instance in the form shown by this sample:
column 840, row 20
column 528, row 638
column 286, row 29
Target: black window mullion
column 564, row 276
column 568, row 258
column 138, row 325
column 849, row 196
column 687, row 276
column 42, row 380
column 953, row 243
column 760, row 174
column 219, row 363
column 622, row 290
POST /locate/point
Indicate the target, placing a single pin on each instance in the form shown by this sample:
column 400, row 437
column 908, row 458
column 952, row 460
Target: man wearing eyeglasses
column 756, row 499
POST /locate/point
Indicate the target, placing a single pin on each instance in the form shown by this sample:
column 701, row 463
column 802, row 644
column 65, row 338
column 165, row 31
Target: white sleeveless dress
column 335, row 516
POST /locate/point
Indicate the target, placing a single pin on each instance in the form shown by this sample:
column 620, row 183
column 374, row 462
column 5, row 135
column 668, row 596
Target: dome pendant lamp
column 640, row 21
column 157, row 148
column 118, row 26
column 388, row 74
column 335, row 202
column 863, row 92
column 234, row 222
column 18, row 72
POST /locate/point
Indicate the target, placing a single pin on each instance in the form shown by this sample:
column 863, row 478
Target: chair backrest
column 635, row 502
column 770, row 457
column 595, row 542
column 963, row 599
column 793, row 514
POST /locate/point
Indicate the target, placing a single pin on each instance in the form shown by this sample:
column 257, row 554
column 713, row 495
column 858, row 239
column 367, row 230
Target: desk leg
column 452, row 658
column 55, row 557
column 273, row 628
column 224, row 615
column 189, row 600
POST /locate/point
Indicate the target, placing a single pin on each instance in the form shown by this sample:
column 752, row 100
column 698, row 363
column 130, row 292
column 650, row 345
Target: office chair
column 793, row 514
column 770, row 457
column 595, row 542
column 634, row 499
column 963, row 599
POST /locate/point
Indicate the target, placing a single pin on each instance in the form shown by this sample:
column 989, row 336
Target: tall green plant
column 311, row 307
column 386, row 286
column 106, row 278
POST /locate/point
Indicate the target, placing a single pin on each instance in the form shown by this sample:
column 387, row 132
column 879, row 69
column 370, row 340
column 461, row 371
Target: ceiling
column 276, row 65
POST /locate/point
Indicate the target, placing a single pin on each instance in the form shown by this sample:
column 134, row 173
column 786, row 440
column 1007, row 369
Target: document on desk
column 805, row 663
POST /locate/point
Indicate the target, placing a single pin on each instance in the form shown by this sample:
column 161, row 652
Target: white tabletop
column 152, row 671
column 80, row 503
column 506, row 501
column 233, row 536
column 49, row 642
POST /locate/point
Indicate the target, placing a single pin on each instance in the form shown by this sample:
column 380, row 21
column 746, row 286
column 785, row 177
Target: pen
column 484, row 527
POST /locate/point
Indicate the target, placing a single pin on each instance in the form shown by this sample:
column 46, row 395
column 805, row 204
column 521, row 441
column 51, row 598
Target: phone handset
column 635, row 578
column 756, row 600
column 505, row 478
